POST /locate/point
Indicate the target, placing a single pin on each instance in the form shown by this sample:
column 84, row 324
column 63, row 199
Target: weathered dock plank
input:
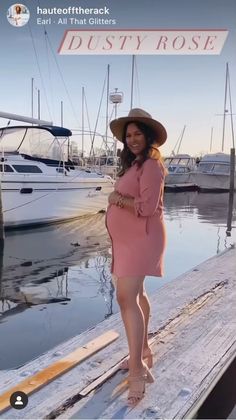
column 44, row 376
column 193, row 324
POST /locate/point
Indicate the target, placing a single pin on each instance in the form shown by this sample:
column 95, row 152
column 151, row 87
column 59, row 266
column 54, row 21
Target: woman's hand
column 113, row 197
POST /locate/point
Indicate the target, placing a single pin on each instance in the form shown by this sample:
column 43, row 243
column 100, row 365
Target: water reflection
column 211, row 208
column 52, row 272
column 196, row 230
column 36, row 263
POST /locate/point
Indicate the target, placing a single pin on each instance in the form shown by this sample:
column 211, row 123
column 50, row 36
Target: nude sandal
column 137, row 386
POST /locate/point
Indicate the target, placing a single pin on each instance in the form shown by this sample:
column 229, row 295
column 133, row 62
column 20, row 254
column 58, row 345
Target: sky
column 178, row 90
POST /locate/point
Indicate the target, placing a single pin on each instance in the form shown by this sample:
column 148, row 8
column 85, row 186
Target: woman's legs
column 127, row 296
column 145, row 306
column 128, row 289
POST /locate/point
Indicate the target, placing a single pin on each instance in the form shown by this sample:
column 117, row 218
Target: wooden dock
column 193, row 337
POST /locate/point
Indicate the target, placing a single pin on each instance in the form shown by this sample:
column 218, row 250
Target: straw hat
column 139, row 115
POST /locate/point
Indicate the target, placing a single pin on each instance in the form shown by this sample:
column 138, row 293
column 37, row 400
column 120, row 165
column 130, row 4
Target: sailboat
column 213, row 171
column 39, row 183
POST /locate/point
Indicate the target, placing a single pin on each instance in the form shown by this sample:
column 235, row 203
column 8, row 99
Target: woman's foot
column 137, row 385
column 147, row 358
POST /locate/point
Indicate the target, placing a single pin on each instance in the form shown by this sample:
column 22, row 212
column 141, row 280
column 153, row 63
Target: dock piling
column 1, row 223
column 231, row 192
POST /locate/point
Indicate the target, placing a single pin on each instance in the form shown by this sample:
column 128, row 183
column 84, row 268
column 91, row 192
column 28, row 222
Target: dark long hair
column 126, row 156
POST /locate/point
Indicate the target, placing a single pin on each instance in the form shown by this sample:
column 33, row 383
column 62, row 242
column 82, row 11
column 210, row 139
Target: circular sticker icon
column 18, row 15
column 18, row 400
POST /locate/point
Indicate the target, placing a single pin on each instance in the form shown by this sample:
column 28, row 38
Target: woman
column 135, row 224
column 17, row 16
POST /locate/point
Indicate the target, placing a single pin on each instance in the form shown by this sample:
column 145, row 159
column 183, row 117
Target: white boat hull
column 177, row 179
column 52, row 202
column 212, row 182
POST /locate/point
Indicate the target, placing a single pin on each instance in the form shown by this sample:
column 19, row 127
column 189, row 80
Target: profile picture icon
column 18, row 15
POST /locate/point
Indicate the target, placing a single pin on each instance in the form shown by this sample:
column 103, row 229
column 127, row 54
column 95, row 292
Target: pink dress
column 138, row 240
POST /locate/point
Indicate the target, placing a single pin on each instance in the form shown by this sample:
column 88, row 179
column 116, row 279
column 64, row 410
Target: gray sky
column 176, row 90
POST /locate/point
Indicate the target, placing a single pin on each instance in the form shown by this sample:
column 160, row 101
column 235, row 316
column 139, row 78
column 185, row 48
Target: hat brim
column 117, row 127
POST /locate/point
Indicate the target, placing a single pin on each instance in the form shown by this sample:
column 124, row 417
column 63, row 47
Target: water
column 55, row 281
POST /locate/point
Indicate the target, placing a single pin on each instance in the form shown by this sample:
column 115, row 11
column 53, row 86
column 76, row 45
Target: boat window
column 60, row 170
column 27, row 169
column 182, row 170
column 184, row 162
column 221, row 169
column 171, row 169
column 205, row 167
column 175, row 161
column 7, row 168
column 167, row 161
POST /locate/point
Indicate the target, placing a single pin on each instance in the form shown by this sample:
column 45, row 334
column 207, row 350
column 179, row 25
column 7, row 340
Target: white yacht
column 179, row 168
column 213, row 173
column 39, row 183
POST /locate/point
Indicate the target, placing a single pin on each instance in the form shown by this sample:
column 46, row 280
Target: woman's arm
column 151, row 188
column 151, row 181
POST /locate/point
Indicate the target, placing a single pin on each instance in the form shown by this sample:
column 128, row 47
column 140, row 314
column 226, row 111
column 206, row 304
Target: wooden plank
column 56, row 369
column 63, row 388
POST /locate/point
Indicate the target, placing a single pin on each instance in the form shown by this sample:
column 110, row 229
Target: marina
column 52, row 286
column 64, row 290
column 61, row 334
column 40, row 184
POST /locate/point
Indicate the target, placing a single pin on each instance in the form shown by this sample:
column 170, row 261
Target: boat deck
column 193, row 330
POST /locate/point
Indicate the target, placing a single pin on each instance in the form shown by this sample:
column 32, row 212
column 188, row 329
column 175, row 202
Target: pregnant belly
column 122, row 224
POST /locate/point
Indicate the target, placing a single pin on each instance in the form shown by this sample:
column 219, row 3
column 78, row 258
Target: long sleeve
column 151, row 186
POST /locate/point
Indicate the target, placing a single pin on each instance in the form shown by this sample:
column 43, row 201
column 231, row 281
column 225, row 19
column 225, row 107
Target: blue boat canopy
column 43, row 141
column 56, row 131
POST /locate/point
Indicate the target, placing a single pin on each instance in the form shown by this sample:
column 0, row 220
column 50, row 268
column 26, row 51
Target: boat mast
column 107, row 104
column 62, row 113
column 227, row 88
column 211, row 139
column 38, row 104
column 83, row 99
column 32, row 98
column 181, row 138
column 231, row 110
column 115, row 98
column 225, row 110
column 132, row 82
